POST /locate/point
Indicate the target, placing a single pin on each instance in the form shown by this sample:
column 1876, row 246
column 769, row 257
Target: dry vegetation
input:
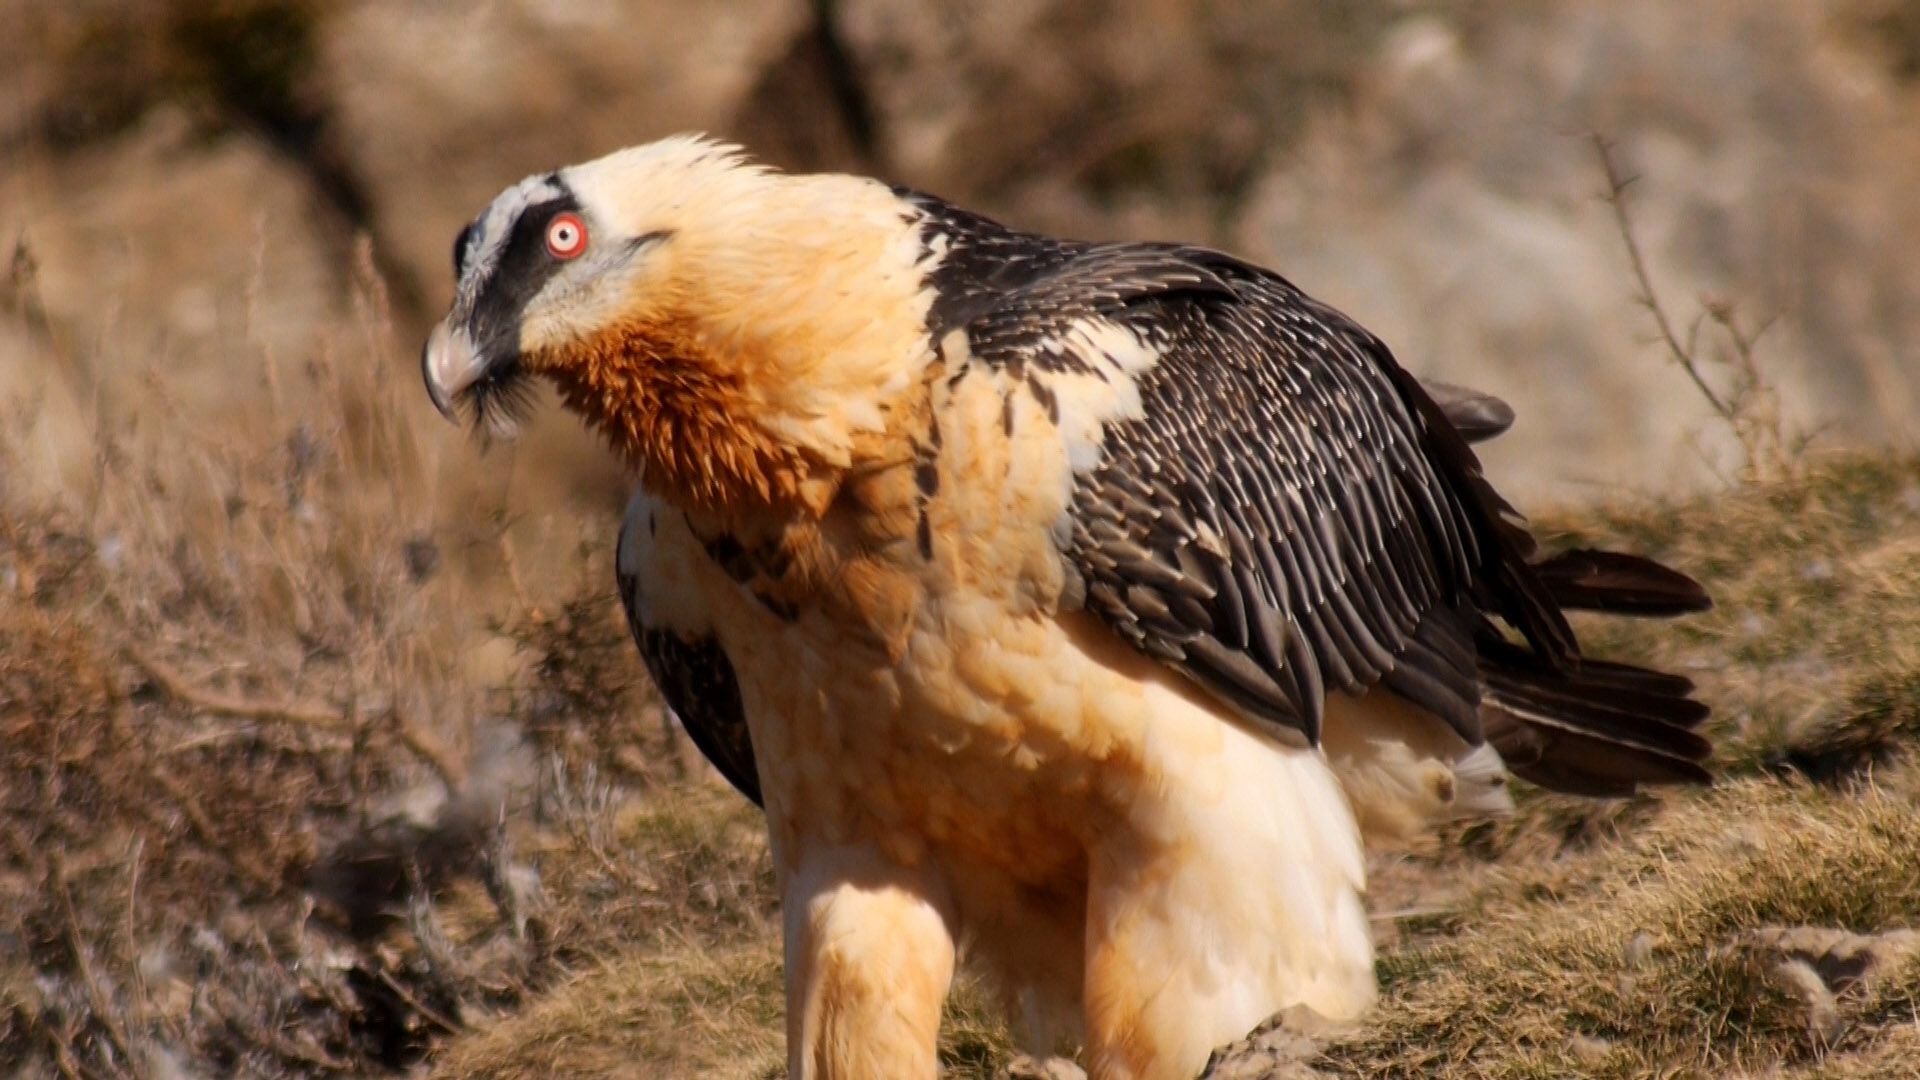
column 257, row 819
column 323, row 749
column 1698, row 933
column 296, row 778
column 299, row 780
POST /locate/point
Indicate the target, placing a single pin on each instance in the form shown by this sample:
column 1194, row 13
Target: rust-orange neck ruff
column 656, row 394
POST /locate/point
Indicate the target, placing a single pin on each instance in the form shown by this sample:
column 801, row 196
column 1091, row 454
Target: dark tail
column 1598, row 728
column 1607, row 581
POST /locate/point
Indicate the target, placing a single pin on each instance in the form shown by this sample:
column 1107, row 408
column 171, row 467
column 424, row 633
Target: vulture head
column 737, row 333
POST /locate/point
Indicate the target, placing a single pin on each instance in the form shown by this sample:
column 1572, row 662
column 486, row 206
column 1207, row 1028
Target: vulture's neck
column 686, row 423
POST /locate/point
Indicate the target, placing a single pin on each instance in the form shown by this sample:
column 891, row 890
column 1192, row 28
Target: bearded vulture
column 1086, row 603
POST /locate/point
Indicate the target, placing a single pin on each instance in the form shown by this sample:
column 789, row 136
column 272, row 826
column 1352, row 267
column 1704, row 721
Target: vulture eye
column 566, row 236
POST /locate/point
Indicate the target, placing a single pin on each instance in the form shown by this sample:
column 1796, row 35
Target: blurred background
column 322, row 746
column 189, row 183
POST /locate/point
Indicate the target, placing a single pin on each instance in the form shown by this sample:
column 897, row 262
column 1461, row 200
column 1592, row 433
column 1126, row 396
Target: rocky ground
column 322, row 749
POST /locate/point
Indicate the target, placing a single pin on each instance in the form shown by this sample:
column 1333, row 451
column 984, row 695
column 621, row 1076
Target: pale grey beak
column 450, row 364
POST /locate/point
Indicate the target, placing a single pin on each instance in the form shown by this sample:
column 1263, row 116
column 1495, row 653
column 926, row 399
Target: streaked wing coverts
column 1290, row 513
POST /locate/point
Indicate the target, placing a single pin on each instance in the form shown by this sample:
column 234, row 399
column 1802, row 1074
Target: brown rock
column 1134, row 119
column 1452, row 209
column 155, row 259
column 1283, row 1048
column 441, row 106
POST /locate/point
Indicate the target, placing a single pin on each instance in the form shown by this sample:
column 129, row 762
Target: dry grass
column 666, row 909
column 688, row 1012
column 667, row 904
column 260, row 735
column 1648, row 957
column 313, row 761
column 1613, row 939
column 1812, row 651
column 693, row 1010
column 308, row 767
column 1617, row 939
column 1622, row 939
column 316, row 759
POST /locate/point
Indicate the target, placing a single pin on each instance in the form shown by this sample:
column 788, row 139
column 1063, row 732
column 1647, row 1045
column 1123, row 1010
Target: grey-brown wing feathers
column 1290, row 512
column 1273, row 523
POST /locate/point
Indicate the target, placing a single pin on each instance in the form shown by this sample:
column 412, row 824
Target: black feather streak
column 1352, row 539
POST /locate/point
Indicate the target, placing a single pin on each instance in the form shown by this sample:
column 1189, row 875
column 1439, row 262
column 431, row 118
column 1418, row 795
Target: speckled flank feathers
column 1083, row 603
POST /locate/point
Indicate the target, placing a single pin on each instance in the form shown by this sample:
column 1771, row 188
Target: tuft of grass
column 692, row 1011
column 1624, row 938
column 661, row 913
column 247, row 782
column 1655, row 966
column 587, row 701
column 1879, row 721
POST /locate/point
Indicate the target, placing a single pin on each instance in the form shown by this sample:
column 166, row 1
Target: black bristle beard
column 500, row 401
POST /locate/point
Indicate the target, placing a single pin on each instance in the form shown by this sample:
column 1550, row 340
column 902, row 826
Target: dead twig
column 178, row 687
column 63, row 1058
column 103, row 1009
column 251, row 868
column 429, row 750
column 306, row 714
column 290, row 1050
column 142, row 999
column 512, row 565
column 241, row 1018
column 21, row 294
column 1760, row 425
column 429, row 1012
column 1751, row 407
column 1649, row 298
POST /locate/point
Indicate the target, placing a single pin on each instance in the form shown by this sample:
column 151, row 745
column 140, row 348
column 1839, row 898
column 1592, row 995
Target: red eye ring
column 566, row 236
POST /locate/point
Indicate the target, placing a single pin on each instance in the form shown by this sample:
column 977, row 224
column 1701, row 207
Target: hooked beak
column 451, row 364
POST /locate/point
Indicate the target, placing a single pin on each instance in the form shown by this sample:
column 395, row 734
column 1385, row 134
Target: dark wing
column 697, row 682
column 1291, row 511
column 1477, row 415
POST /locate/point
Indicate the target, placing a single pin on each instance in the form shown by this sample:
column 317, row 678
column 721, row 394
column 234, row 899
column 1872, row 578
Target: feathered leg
column 1234, row 893
column 870, row 955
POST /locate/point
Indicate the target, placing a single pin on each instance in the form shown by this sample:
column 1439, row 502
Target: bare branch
column 102, row 1006
column 1616, row 198
column 439, row 1019
column 250, row 867
column 306, row 714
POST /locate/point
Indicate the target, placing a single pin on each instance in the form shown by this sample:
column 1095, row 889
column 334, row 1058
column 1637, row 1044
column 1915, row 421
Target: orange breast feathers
column 673, row 406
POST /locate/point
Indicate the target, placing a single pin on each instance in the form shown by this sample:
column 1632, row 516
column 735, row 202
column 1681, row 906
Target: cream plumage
column 1081, row 601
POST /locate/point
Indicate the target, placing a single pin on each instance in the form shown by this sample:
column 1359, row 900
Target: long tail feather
column 1587, row 727
column 1608, row 581
column 1596, row 727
